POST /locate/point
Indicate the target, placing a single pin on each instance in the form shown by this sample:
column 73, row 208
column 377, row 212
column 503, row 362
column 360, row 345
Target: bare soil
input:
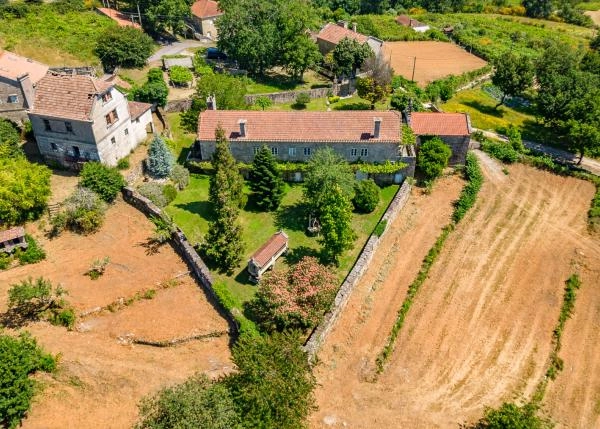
column 595, row 15
column 102, row 376
column 435, row 60
column 479, row 331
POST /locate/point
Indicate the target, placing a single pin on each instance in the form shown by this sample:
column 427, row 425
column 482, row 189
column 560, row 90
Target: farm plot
column 595, row 15
column 434, row 60
column 479, row 331
column 103, row 373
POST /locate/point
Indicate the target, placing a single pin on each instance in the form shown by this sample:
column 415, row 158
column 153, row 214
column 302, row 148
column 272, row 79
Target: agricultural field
column 434, row 60
column 102, row 373
column 595, row 15
column 479, row 331
column 492, row 35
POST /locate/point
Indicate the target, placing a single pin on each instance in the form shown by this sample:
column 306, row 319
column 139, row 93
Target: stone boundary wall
column 289, row 96
column 178, row 105
column 185, row 250
column 318, row 336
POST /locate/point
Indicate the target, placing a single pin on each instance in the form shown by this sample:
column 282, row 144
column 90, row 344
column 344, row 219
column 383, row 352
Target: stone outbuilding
column 204, row 15
column 265, row 257
column 331, row 34
column 11, row 239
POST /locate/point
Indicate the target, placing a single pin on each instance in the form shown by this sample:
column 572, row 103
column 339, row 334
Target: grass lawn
column 320, row 105
column 590, row 5
column 182, row 140
column 192, row 212
column 137, row 76
column 277, row 81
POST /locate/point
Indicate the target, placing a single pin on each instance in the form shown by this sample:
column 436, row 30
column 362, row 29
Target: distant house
column 453, row 128
column 79, row 118
column 120, row 18
column 11, row 239
column 18, row 78
column 204, row 14
column 407, row 21
column 265, row 257
column 331, row 34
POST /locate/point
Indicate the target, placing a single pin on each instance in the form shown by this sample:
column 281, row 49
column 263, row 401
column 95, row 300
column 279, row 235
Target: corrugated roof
column 263, row 255
column 336, row 126
column 206, row 9
column 333, row 33
column 11, row 234
column 13, row 66
column 67, row 96
column 440, row 124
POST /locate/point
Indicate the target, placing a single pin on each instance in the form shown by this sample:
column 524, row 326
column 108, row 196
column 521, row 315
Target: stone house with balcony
column 79, row 118
column 18, row 78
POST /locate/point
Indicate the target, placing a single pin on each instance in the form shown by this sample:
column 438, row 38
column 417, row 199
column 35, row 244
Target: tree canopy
column 161, row 15
column 265, row 181
column 160, row 159
column 124, row 47
column 9, row 140
column 228, row 90
column 349, row 55
column 537, row 8
column 513, row 74
column 433, row 158
column 336, row 225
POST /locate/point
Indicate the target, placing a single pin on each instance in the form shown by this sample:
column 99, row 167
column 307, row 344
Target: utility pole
column 139, row 14
column 414, row 65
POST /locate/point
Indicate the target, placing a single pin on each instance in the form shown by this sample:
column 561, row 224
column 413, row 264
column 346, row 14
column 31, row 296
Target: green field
column 278, row 81
column 56, row 39
column 589, row 5
column 490, row 35
column 192, row 211
column 320, row 105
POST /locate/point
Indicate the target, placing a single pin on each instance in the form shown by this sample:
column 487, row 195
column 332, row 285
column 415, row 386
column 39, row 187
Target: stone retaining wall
column 178, row 105
column 290, row 96
column 185, row 250
column 321, row 332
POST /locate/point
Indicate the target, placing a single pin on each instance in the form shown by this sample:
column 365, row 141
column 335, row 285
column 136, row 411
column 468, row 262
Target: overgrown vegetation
column 98, row 268
column 366, row 196
column 154, row 90
column 180, row 75
column 124, row 47
column 105, row 181
column 82, row 212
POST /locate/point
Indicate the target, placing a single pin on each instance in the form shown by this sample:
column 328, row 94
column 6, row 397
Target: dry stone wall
column 321, row 332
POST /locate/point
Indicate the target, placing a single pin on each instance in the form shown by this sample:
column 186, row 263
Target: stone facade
column 14, row 96
column 206, row 26
column 459, row 146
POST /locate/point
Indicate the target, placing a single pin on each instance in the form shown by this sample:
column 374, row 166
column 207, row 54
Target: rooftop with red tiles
column 334, row 33
column 440, row 124
column 206, row 9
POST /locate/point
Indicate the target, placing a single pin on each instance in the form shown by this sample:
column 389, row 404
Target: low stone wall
column 290, row 96
column 185, row 250
column 178, row 105
column 321, row 332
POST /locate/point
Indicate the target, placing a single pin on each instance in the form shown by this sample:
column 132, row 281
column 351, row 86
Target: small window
column 353, row 151
column 364, row 152
column 307, row 151
column 53, row 146
column 126, row 131
column 106, row 97
column 13, row 98
column 47, row 126
column 275, row 150
column 113, row 140
column 111, row 118
column 69, row 127
column 292, row 151
column 256, row 149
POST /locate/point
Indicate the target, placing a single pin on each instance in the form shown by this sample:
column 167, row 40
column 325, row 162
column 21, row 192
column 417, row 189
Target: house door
column 76, row 152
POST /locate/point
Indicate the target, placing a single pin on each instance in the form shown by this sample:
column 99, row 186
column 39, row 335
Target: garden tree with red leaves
column 294, row 299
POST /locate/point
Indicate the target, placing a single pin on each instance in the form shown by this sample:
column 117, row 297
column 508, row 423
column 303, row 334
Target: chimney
column 211, row 102
column 354, row 27
column 343, row 24
column 242, row 124
column 408, row 111
column 376, row 127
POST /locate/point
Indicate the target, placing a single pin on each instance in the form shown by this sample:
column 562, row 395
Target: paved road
column 589, row 164
column 175, row 48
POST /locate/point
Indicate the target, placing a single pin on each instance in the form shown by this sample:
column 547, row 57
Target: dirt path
column 479, row 331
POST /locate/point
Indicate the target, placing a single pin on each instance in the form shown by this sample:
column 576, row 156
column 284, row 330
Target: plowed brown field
column 479, row 331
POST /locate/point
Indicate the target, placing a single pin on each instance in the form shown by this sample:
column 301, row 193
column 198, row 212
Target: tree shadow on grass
column 486, row 110
column 293, row 256
column 243, row 276
column 202, row 208
column 182, row 158
column 292, row 217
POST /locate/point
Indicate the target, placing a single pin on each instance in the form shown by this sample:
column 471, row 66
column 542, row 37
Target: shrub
column 302, row 99
column 501, row 151
column 98, row 267
column 180, row 75
column 34, row 252
column 154, row 91
column 160, row 159
column 170, row 193
column 105, row 181
column 64, row 318
column 366, row 196
column 468, row 196
column 180, row 175
column 9, row 140
column 161, row 195
column 124, row 47
column 5, row 260
column 83, row 213
column 510, row 415
column 123, row 163
column 380, row 228
column 433, row 157
column 334, row 99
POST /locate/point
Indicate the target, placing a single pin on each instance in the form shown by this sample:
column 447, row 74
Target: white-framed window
column 353, row 152
column 113, row 140
column 292, row 151
column 364, row 151
column 256, row 149
column 307, row 151
column 111, row 117
column 274, row 150
column 126, row 131
column 47, row 126
column 13, row 98
column 69, row 127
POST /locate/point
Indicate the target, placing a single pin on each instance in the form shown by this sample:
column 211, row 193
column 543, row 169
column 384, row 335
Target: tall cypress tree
column 223, row 243
column 265, row 181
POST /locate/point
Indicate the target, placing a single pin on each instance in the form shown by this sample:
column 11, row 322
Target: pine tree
column 336, row 225
column 160, row 159
column 265, row 182
column 223, row 243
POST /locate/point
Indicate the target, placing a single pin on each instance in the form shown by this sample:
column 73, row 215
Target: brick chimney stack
column 376, row 127
column 242, row 124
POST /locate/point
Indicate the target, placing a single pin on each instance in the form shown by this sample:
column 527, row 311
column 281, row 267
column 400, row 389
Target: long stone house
column 18, row 78
column 331, row 34
column 79, row 118
column 204, row 15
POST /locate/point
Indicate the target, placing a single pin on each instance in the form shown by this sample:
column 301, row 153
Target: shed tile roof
column 263, row 255
column 136, row 109
column 120, row 18
column 13, row 66
column 11, row 234
column 407, row 21
column 336, row 126
column 334, row 33
column 440, row 124
column 67, row 96
column 206, row 9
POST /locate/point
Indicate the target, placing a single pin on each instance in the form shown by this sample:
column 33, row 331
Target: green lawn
column 277, row 81
column 192, row 212
column 182, row 140
column 589, row 5
column 320, row 105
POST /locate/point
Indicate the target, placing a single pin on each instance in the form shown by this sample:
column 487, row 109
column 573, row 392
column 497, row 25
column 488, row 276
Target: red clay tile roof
column 440, row 124
column 120, row 18
column 11, row 234
column 67, row 96
column 136, row 109
column 270, row 249
column 206, row 9
column 117, row 81
column 13, row 66
column 335, row 126
column 333, row 33
column 407, row 21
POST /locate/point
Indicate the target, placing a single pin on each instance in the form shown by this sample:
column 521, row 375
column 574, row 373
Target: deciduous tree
column 106, row 181
column 433, row 158
column 228, row 90
column 537, row 8
column 513, row 74
column 366, row 196
column 9, row 140
column 335, row 216
column 349, row 55
column 265, row 181
column 124, row 47
column 161, row 15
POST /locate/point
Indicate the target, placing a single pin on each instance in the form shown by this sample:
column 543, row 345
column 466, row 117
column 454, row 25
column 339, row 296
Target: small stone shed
column 265, row 257
column 12, row 239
